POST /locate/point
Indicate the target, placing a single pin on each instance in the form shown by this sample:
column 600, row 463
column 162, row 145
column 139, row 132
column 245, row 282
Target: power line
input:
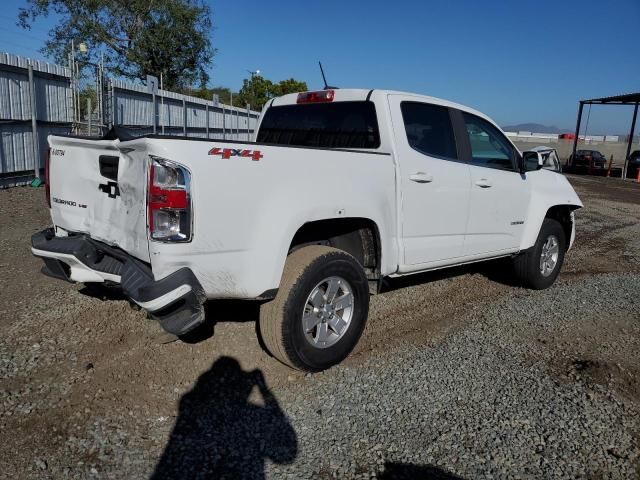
column 10, row 46
column 39, row 41
column 25, row 52
column 26, row 35
column 11, row 22
column 18, row 45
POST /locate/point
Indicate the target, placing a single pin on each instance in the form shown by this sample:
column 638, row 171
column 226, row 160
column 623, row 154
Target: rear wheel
column 539, row 267
column 320, row 310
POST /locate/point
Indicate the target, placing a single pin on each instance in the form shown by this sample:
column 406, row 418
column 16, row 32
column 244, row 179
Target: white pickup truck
column 340, row 189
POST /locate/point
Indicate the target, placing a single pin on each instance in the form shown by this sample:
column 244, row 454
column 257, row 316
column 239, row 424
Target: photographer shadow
column 221, row 434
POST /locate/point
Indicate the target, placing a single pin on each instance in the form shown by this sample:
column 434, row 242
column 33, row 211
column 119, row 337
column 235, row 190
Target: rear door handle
column 484, row 183
column 421, row 177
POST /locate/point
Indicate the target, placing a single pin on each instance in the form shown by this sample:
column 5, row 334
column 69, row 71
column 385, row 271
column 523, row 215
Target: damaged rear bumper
column 176, row 301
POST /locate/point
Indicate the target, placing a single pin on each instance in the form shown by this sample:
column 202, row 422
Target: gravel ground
column 459, row 374
column 486, row 402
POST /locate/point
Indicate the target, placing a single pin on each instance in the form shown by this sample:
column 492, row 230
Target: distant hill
column 534, row 128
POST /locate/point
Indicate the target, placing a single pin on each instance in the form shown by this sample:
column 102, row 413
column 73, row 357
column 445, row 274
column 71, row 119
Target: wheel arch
column 358, row 236
column 563, row 213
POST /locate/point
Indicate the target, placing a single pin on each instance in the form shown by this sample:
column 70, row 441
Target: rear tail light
column 316, row 97
column 47, row 188
column 169, row 201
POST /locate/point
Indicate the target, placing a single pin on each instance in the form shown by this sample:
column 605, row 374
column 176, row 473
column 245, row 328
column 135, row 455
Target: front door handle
column 421, row 177
column 484, row 183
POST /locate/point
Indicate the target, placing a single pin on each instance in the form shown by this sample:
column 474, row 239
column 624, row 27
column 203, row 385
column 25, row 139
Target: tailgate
column 98, row 189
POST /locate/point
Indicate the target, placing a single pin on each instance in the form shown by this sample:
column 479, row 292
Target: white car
column 340, row 189
column 550, row 158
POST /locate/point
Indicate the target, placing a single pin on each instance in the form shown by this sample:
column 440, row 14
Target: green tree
column 257, row 90
column 289, row 86
column 136, row 37
column 224, row 94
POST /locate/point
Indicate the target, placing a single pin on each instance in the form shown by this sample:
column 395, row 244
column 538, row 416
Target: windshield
column 328, row 125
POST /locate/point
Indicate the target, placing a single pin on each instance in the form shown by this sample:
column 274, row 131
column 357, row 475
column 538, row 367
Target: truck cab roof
column 361, row 94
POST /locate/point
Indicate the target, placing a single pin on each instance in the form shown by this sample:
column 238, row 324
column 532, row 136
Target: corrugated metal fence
column 24, row 130
column 177, row 114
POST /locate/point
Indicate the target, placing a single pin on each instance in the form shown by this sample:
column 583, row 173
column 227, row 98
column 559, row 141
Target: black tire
column 527, row 266
column 281, row 325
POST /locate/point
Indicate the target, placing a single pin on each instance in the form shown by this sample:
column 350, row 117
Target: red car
column 567, row 136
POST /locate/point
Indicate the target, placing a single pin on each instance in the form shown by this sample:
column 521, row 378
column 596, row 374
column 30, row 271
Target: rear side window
column 429, row 129
column 328, row 125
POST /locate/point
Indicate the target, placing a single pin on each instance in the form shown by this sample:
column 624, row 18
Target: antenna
column 326, row 87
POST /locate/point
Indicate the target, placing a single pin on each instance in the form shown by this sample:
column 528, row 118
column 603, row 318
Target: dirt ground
column 70, row 355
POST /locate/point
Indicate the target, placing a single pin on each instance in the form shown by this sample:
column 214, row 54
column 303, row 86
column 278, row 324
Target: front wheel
column 320, row 310
column 539, row 267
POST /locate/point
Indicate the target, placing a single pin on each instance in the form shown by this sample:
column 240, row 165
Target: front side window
column 429, row 129
column 489, row 147
column 325, row 125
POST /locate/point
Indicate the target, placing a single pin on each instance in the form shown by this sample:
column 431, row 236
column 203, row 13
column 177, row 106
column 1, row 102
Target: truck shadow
column 103, row 292
column 499, row 271
column 241, row 311
column 219, row 311
column 221, row 434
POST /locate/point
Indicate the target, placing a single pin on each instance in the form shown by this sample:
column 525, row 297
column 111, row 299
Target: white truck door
column 499, row 192
column 434, row 183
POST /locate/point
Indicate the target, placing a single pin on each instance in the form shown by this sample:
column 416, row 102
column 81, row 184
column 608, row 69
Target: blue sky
column 515, row 61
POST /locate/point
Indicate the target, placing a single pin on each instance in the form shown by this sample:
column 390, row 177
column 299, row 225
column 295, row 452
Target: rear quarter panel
column 246, row 212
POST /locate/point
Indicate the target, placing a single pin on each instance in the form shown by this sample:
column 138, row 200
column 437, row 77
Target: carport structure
column 626, row 99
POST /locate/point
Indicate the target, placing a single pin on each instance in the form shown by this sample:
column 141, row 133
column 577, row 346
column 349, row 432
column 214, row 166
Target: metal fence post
column 163, row 113
column 89, row 115
column 34, row 124
column 153, row 111
column 114, row 106
column 206, row 112
column 184, row 117
column 224, row 122
column 248, row 112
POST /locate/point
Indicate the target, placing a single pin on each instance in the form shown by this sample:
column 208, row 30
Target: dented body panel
column 84, row 201
column 246, row 212
column 246, row 209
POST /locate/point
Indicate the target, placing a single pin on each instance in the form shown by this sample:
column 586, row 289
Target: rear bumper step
column 176, row 301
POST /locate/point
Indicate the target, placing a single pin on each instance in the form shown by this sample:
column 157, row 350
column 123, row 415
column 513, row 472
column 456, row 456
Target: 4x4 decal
column 227, row 153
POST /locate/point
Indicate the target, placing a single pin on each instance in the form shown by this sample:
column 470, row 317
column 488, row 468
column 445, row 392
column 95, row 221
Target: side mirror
column 531, row 161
